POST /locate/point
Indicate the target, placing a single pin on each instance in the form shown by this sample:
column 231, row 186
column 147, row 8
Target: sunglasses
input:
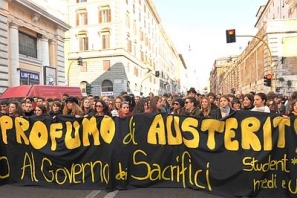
column 99, row 106
column 175, row 103
column 187, row 102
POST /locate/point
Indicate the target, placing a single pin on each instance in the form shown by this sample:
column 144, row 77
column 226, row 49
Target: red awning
column 16, row 92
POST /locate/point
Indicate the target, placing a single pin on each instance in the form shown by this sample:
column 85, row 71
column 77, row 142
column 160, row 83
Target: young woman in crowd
column 124, row 109
column 260, row 100
column 178, row 106
column 224, row 108
column 15, row 109
column 40, row 110
column 140, row 106
column 272, row 105
column 293, row 108
column 235, row 104
column 156, row 104
column 205, row 110
column 47, row 106
column 117, row 105
column 191, row 106
column 147, row 105
column 56, row 109
column 86, row 107
column 71, row 107
column 101, row 109
column 247, row 102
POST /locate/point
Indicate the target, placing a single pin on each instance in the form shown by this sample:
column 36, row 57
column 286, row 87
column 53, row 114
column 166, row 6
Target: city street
column 9, row 191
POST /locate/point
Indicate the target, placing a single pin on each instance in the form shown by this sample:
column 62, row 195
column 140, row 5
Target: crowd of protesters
column 193, row 104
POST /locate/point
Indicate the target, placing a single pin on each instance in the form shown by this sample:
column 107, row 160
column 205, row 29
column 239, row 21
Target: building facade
column 123, row 47
column 272, row 51
column 31, row 45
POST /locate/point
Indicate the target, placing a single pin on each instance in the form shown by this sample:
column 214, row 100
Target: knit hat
column 180, row 101
column 72, row 99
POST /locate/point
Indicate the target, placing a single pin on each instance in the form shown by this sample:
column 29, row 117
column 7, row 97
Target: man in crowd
column 4, row 107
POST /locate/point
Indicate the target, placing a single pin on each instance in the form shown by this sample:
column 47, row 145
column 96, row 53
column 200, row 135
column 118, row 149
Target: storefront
column 29, row 77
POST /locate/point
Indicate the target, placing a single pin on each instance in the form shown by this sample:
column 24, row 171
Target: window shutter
column 100, row 16
column 77, row 19
column 109, row 15
column 86, row 18
column 107, row 42
column 86, row 43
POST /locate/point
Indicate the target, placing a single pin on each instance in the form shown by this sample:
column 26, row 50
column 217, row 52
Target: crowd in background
column 193, row 104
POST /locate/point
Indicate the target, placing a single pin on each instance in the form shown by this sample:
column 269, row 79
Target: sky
column 197, row 29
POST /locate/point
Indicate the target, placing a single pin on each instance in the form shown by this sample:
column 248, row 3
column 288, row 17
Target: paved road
column 9, row 191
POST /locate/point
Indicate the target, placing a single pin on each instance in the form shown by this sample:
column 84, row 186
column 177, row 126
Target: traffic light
column 230, row 36
column 267, row 80
column 79, row 61
column 88, row 89
column 283, row 60
column 157, row 73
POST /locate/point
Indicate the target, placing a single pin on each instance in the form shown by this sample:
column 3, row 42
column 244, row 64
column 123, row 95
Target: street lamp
column 79, row 62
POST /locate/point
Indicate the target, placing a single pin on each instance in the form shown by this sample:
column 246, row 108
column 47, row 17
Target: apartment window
column 105, row 14
column 105, row 38
column 83, row 41
column 27, row 45
column 107, row 86
column 106, row 65
column 81, row 18
column 84, row 67
column 81, row 1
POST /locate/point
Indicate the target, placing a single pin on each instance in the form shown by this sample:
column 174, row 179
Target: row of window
column 104, row 16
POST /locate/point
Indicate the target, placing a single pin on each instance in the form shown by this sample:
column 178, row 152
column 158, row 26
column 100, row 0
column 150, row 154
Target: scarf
column 259, row 109
column 225, row 110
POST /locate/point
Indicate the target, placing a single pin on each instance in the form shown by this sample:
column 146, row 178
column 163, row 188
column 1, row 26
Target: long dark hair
column 139, row 108
column 105, row 107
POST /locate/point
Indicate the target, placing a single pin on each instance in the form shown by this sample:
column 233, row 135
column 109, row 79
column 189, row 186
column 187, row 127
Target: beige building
column 123, row 46
column 32, row 45
column 272, row 51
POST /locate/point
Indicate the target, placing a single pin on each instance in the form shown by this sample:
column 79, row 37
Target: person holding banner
column 248, row 102
column 224, row 108
column 191, row 106
column 205, row 107
column 101, row 109
column 71, row 107
column 156, row 104
column 56, row 109
column 260, row 100
column 86, row 107
column 178, row 106
column 40, row 110
column 15, row 109
column 124, row 109
column 117, row 105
